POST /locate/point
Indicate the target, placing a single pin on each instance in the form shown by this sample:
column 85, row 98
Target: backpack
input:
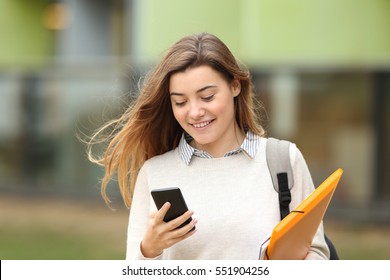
column 278, row 160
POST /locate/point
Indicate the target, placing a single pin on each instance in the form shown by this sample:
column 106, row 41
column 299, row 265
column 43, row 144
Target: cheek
column 223, row 108
column 178, row 114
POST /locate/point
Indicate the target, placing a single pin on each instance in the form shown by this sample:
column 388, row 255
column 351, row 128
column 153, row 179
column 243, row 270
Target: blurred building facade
column 322, row 69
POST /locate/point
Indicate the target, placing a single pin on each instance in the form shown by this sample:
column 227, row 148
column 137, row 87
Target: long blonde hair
column 148, row 127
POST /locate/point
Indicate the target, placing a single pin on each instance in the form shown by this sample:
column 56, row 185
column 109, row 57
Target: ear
column 236, row 87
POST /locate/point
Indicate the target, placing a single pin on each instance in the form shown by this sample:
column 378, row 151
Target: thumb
column 159, row 216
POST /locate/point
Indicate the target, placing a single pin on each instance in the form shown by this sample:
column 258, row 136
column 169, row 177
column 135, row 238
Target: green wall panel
column 275, row 32
column 24, row 40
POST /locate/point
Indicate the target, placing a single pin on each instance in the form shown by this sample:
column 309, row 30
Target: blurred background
column 322, row 69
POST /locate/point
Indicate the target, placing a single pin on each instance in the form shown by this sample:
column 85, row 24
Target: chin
column 202, row 141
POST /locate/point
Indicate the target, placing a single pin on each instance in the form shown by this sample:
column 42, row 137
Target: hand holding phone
column 176, row 199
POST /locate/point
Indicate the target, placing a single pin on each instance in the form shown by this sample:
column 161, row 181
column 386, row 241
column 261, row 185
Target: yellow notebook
column 292, row 237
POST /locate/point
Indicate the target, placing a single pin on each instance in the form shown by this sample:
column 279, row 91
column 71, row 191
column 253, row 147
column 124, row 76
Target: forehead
column 194, row 78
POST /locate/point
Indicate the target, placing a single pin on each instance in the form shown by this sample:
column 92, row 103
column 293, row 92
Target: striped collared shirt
column 249, row 146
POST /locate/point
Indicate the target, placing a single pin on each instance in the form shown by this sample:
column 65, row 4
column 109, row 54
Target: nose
column 196, row 111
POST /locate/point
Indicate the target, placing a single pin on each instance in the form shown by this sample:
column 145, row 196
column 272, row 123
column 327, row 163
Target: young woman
column 194, row 126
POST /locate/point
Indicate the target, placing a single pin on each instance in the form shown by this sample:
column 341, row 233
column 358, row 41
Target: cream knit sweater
column 233, row 200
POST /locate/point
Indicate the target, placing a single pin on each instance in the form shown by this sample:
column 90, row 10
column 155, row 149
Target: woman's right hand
column 161, row 235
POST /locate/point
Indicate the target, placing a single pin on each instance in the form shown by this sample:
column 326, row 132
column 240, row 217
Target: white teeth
column 200, row 125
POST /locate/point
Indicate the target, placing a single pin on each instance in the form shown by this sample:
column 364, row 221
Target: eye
column 208, row 98
column 180, row 104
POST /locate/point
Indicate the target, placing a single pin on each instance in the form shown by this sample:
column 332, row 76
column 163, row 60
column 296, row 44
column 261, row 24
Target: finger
column 186, row 235
column 175, row 223
column 186, row 229
column 162, row 212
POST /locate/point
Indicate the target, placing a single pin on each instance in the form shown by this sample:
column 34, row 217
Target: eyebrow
column 198, row 91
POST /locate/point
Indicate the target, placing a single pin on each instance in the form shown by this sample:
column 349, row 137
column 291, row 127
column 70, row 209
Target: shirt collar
column 186, row 151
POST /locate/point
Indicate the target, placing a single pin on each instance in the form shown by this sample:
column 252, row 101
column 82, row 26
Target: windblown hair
column 149, row 128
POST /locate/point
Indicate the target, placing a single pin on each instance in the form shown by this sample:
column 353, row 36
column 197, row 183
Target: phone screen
column 178, row 204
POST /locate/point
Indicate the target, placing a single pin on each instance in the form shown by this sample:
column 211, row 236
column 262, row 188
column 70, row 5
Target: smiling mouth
column 202, row 124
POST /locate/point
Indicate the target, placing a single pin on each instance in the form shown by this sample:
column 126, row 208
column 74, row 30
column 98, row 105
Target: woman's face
column 203, row 104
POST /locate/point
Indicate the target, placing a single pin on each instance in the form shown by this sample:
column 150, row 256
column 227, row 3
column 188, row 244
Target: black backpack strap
column 278, row 160
column 284, row 195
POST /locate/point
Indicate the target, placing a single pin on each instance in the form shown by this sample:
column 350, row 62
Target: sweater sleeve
column 139, row 217
column 303, row 186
